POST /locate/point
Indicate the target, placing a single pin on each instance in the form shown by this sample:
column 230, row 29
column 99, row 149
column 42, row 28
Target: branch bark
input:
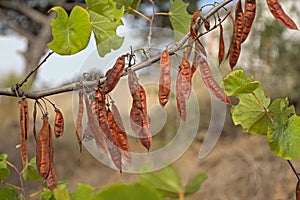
column 78, row 85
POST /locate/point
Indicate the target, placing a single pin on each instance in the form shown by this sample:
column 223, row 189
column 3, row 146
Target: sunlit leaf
column 3, row 156
column 194, row 184
column 83, row 192
column 4, row 171
column 284, row 136
column 106, row 8
column 30, row 172
column 128, row 192
column 179, row 17
column 70, row 34
column 128, row 4
column 167, row 181
column 61, row 194
column 104, row 29
column 236, row 83
column 250, row 112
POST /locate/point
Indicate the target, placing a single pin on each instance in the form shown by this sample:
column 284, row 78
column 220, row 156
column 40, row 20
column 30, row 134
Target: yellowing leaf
column 70, row 34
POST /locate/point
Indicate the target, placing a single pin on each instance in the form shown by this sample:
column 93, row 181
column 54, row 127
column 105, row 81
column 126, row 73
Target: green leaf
column 167, row 181
column 236, row 83
column 4, row 171
column 194, row 184
column 70, row 34
column 105, row 33
column 250, row 114
column 31, row 172
column 47, row 195
column 3, row 156
column 7, row 193
column 61, row 194
column 128, row 192
column 128, row 4
column 179, row 17
column 284, row 136
column 83, row 192
column 106, row 8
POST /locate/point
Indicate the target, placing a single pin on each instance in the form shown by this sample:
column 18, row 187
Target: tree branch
column 78, row 85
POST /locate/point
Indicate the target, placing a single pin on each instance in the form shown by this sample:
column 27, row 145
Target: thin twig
column 35, row 69
column 22, row 189
column 151, row 24
column 294, row 170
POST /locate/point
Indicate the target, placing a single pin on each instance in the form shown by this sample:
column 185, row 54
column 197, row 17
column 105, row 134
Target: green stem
column 264, row 107
column 162, row 14
column 181, row 195
column 139, row 13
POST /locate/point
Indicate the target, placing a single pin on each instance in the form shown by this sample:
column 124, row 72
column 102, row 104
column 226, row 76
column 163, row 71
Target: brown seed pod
column 94, row 126
column 249, row 15
column 279, row 14
column 59, row 123
column 79, row 120
column 113, row 75
column 180, row 98
column 221, row 45
column 207, row 25
column 24, row 125
column 184, row 78
column 34, row 121
column 165, row 78
column 193, row 22
column 236, row 41
column 210, row 82
column 52, row 177
column 43, row 149
column 298, row 190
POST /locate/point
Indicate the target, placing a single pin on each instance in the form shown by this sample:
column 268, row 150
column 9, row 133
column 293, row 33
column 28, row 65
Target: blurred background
column 240, row 166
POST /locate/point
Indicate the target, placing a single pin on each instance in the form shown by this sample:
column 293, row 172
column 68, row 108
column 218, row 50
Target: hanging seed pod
column 24, row 125
column 43, row 150
column 113, row 75
column 52, row 177
column 165, row 78
column 280, row 15
column 79, row 120
column 58, row 123
column 34, row 121
column 249, row 15
column 221, row 45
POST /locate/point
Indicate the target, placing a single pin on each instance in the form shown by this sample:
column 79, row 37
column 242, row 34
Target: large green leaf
column 70, row 34
column 105, row 33
column 128, row 4
column 4, row 171
column 30, row 172
column 179, row 17
column 236, row 83
column 250, row 113
column 83, row 192
column 284, row 136
column 7, row 193
column 106, row 8
column 194, row 184
column 128, row 192
column 167, row 181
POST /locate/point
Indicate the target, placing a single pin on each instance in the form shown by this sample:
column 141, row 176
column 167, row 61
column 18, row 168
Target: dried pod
column 24, row 125
column 165, row 78
column 184, row 78
column 210, row 82
column 249, row 15
column 180, row 98
column 34, row 121
column 59, row 123
column 79, row 120
column 236, row 41
column 113, row 75
column 94, row 126
column 43, row 149
column 52, row 177
column 221, row 45
column 279, row 14
column 298, row 190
